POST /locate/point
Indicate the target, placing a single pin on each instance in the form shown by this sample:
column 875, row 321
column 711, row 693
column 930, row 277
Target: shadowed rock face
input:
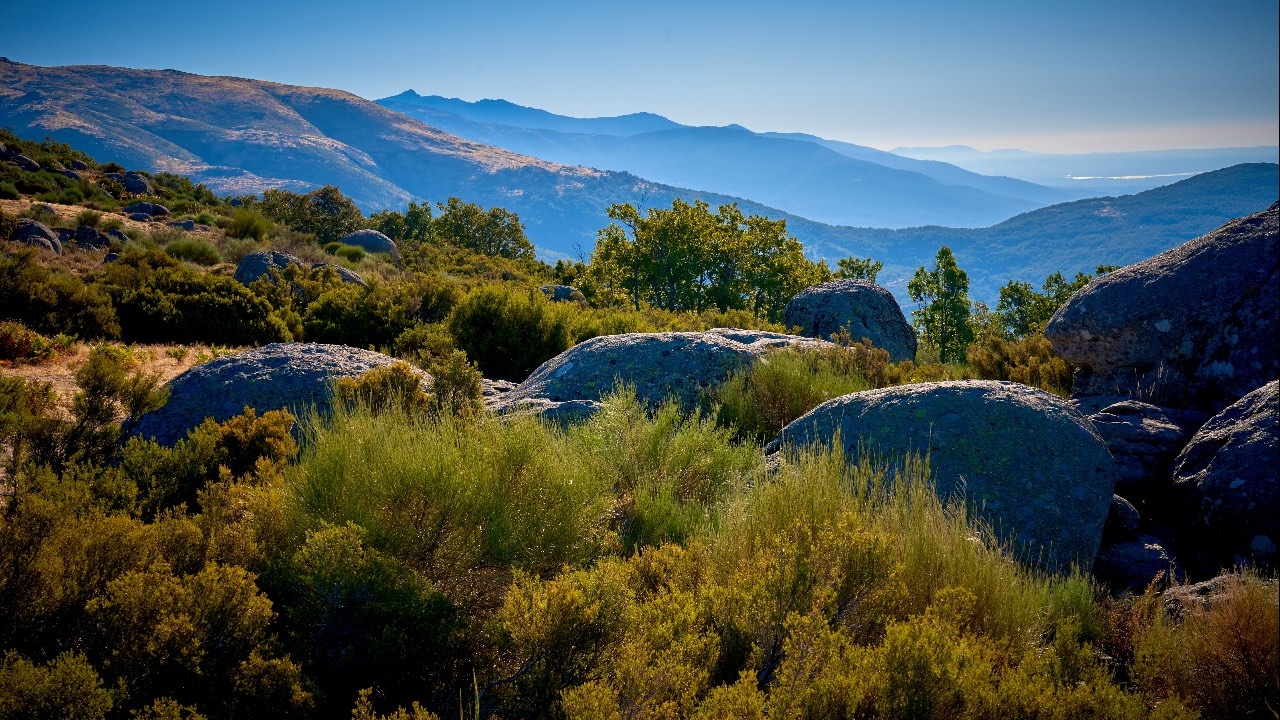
column 1228, row 477
column 1194, row 327
column 371, row 241
column 863, row 308
column 659, row 365
column 256, row 264
column 296, row 376
column 1026, row 461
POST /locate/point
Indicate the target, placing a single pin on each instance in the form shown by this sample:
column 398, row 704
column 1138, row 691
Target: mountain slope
column 793, row 173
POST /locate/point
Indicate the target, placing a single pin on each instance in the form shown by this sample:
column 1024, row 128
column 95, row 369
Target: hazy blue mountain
column 795, row 174
column 1095, row 173
column 501, row 112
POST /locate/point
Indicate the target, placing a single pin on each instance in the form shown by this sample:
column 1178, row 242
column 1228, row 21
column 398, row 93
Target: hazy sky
column 1073, row 76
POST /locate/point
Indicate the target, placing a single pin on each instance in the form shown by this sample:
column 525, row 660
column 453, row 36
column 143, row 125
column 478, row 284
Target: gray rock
column 71, row 174
column 372, row 241
column 146, row 208
column 1194, row 327
column 1227, row 477
column 137, row 183
column 1024, row 460
column 344, row 274
column 1123, row 520
column 37, row 234
column 79, row 165
column 659, row 365
column 1132, row 564
column 86, row 236
column 292, row 376
column 256, row 264
column 187, row 225
column 24, row 162
column 110, row 258
column 139, row 217
column 865, row 309
column 563, row 293
column 492, row 390
column 1143, row 442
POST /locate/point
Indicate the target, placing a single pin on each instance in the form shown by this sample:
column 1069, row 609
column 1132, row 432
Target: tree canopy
column 943, row 318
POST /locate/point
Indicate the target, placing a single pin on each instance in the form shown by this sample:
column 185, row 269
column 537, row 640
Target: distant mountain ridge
column 243, row 136
column 836, row 183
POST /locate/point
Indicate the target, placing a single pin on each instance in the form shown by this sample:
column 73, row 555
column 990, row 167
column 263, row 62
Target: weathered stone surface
column 146, row 208
column 139, row 217
column 187, row 225
column 37, row 234
column 563, row 293
column 256, row 264
column 1143, row 442
column 344, row 274
column 1194, row 327
column 138, row 184
column 24, row 162
column 1132, row 564
column 1227, row 476
column 78, row 165
column 1025, row 460
column 659, row 365
column 865, row 309
column 372, row 241
column 1123, row 520
column 272, row 377
column 86, row 236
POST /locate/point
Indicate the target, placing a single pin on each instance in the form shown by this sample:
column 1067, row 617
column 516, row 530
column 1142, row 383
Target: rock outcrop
column 1195, row 327
column 372, row 241
column 256, row 264
column 674, row 365
column 1227, row 477
column 1023, row 459
column 146, row 208
column 563, row 293
column 1143, row 441
column 296, row 376
column 863, row 308
column 345, row 275
column 37, row 234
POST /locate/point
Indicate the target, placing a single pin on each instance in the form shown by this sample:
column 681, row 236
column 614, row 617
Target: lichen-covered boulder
column 256, row 264
column 37, row 234
column 676, row 365
column 1143, row 441
column 89, row 237
column 863, row 308
column 371, row 241
column 1195, row 327
column 1227, row 477
column 1024, row 460
column 563, row 293
column 146, row 208
column 346, row 275
column 294, row 376
column 138, row 184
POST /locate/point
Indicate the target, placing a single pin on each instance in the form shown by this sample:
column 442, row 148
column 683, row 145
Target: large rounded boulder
column 256, row 264
column 676, row 365
column 1227, row 476
column 1193, row 327
column 37, row 234
column 293, row 376
column 1024, row 460
column 862, row 308
column 371, row 241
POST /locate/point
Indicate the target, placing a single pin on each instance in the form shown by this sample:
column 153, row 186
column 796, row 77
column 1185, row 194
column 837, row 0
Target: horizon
column 1085, row 78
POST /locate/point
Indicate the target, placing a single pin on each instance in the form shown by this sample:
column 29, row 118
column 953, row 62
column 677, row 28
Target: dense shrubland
column 411, row 552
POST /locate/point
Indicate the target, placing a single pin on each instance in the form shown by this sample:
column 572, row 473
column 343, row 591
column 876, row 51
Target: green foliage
column 65, row 688
column 414, row 225
column 456, row 387
column 509, row 332
column 380, row 313
column 52, row 302
column 1023, row 312
column 18, row 343
column 325, row 213
column 1030, row 361
column 688, row 259
column 8, row 192
column 391, row 386
column 858, row 268
column 248, row 225
column 194, row 249
column 943, row 316
column 350, row 253
column 495, row 232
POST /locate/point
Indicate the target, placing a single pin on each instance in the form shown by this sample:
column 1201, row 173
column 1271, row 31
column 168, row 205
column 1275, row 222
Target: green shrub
column 8, row 223
column 456, row 387
column 194, row 249
column 8, row 191
column 90, row 218
column 17, row 342
column 350, row 253
column 1030, row 361
column 509, row 332
column 392, row 386
column 378, row 314
column 52, row 302
column 65, row 688
column 248, row 225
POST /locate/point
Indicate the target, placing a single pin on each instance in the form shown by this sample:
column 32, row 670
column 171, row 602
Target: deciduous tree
column 943, row 316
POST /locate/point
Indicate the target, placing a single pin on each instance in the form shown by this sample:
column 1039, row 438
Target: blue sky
column 1077, row 76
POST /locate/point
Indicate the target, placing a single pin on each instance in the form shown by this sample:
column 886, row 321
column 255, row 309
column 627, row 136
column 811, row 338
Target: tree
column 858, row 268
column 495, row 232
column 943, row 316
column 325, row 213
column 1022, row 312
column 413, row 225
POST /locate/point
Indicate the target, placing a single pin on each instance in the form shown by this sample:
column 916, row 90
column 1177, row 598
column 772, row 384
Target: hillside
column 835, row 183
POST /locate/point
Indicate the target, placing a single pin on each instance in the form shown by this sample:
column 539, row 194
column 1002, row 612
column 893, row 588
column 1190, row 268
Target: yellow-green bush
column 1030, row 361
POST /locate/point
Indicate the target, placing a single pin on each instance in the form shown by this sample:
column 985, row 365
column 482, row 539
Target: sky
column 1079, row 76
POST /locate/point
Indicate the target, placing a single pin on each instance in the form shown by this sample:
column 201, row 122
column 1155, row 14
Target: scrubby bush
column 248, row 225
column 52, row 302
column 65, row 688
column 509, row 332
column 8, row 191
column 456, row 387
column 90, row 218
column 194, row 249
column 1030, row 361
column 17, row 342
column 378, row 314
column 351, row 253
column 392, row 386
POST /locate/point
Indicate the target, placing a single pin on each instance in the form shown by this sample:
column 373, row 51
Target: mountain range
column 240, row 136
column 828, row 181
